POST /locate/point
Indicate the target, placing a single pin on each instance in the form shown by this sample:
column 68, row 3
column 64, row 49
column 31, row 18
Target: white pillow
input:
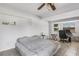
column 22, row 38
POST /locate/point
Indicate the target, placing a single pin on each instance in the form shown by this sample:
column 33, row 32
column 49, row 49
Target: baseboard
column 6, row 49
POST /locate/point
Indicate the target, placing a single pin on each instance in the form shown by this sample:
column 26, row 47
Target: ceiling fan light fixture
column 54, row 8
column 51, row 7
column 41, row 6
column 48, row 7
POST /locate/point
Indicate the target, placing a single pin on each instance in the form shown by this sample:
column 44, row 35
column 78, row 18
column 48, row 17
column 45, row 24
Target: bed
column 36, row 46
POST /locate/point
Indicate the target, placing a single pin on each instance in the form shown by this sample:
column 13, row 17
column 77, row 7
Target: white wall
column 25, row 26
column 51, row 28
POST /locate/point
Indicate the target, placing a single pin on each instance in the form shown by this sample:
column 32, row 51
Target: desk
column 75, row 38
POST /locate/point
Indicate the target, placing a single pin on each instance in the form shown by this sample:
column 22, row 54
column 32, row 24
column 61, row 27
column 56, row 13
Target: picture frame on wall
column 56, row 29
column 55, row 25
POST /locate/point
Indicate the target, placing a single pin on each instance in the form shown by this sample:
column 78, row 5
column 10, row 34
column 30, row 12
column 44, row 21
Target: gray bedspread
column 36, row 46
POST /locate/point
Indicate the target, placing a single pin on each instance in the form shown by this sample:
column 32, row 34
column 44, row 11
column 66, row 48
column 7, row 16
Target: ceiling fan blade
column 41, row 6
column 52, row 7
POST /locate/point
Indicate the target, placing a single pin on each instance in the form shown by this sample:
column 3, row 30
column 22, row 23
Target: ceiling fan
column 48, row 5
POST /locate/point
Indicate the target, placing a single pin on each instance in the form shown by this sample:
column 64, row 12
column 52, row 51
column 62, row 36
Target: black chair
column 69, row 34
column 62, row 35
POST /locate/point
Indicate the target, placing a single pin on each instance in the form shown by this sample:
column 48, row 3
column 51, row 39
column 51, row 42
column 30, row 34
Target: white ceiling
column 31, row 8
